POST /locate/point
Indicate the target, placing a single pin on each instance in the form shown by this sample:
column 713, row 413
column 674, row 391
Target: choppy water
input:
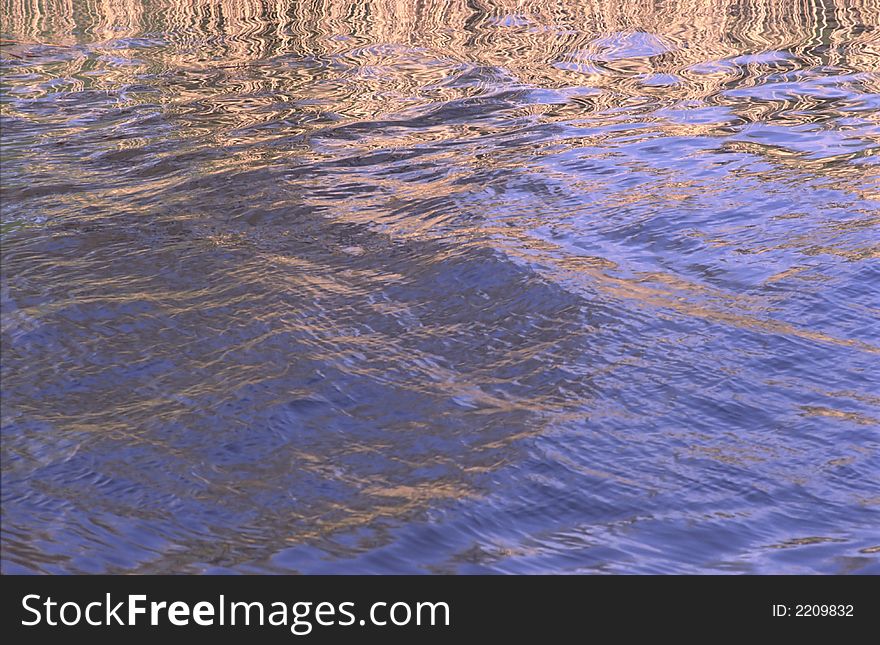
column 440, row 286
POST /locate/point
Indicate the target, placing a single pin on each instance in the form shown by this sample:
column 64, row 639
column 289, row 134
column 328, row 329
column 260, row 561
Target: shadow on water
column 440, row 287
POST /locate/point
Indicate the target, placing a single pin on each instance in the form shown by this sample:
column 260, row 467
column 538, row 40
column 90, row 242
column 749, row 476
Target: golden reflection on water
column 604, row 44
column 287, row 84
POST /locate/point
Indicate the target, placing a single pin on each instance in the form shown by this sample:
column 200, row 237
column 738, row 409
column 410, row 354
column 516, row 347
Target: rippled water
column 440, row 286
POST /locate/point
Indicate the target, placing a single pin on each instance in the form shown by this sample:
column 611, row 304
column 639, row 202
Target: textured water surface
column 440, row 286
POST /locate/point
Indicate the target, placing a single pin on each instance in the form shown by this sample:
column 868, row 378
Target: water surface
column 440, row 286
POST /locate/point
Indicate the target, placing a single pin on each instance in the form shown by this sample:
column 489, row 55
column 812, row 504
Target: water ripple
column 441, row 287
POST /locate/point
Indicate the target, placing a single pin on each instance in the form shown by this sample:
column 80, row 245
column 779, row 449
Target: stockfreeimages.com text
column 299, row 617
